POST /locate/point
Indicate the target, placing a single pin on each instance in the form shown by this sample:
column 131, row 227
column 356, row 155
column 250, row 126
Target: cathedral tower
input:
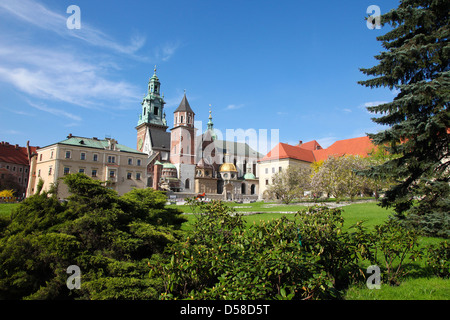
column 152, row 136
column 182, row 152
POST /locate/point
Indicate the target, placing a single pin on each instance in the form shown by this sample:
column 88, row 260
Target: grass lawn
column 6, row 208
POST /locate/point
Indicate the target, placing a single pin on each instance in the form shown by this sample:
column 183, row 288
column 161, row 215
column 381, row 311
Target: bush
column 108, row 237
column 309, row 257
column 439, row 259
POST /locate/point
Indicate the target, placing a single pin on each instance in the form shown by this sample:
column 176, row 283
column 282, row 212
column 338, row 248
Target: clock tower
column 152, row 136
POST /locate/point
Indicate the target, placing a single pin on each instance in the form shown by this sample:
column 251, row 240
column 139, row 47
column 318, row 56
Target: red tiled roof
column 310, row 145
column 14, row 154
column 356, row 146
column 286, row 151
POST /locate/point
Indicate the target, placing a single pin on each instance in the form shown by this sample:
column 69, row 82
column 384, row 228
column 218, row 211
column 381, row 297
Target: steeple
column 210, row 125
column 153, row 104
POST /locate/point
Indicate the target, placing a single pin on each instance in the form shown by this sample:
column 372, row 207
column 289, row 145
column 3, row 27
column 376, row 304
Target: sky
column 289, row 67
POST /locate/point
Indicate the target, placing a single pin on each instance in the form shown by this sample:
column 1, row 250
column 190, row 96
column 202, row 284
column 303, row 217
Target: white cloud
column 39, row 16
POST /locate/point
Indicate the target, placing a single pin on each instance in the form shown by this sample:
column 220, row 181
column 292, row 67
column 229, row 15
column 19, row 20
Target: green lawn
column 6, row 208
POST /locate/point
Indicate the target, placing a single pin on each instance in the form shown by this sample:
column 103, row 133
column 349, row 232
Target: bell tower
column 152, row 125
column 182, row 148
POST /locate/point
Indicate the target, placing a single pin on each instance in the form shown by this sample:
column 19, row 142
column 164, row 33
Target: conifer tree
column 416, row 65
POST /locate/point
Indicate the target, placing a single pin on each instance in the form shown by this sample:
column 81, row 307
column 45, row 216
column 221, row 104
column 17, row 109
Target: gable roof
column 184, row 106
column 361, row 146
column 310, row 145
column 286, row 151
column 311, row 151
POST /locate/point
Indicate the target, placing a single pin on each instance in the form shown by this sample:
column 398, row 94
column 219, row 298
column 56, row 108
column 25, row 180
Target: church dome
column 227, row 167
column 249, row 175
column 168, row 165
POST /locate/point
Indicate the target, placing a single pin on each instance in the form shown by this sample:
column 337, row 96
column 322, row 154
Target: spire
column 184, row 105
column 210, row 125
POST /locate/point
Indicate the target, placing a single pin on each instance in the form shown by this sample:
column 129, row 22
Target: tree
column 290, row 184
column 110, row 238
column 416, row 64
column 337, row 176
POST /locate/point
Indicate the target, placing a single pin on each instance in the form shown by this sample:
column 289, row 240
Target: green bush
column 438, row 259
column 308, row 257
column 108, row 237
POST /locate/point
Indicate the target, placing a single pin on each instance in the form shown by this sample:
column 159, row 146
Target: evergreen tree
column 416, row 65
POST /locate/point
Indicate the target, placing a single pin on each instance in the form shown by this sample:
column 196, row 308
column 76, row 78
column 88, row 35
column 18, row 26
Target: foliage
column 416, row 65
column 221, row 259
column 290, row 184
column 8, row 194
column 388, row 246
column 109, row 237
column 337, row 176
column 438, row 258
column 309, row 256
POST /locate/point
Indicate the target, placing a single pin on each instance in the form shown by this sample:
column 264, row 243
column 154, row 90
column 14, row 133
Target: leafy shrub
column 305, row 258
column 439, row 259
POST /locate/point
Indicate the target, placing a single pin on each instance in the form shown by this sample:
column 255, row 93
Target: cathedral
column 185, row 163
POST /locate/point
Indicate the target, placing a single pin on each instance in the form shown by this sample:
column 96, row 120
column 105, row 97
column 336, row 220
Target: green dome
column 249, row 176
column 168, row 165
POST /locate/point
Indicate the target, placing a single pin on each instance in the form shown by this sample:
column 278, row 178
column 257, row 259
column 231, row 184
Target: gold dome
column 227, row 167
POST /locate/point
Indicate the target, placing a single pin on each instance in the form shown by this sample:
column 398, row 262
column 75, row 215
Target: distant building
column 120, row 168
column 303, row 154
column 14, row 167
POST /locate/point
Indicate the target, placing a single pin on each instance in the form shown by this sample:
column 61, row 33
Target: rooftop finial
column 154, row 69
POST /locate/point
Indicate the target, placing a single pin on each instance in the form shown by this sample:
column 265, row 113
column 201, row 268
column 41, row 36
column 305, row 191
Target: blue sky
column 262, row 65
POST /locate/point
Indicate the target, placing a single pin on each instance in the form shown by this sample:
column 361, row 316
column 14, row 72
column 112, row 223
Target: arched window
column 252, row 189
column 243, row 188
column 186, row 184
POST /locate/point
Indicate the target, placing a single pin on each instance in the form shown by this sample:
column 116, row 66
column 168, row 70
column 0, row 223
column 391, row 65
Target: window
column 130, row 161
column 129, row 175
column 155, row 111
column 111, row 159
column 67, row 154
column 94, row 172
column 138, row 162
column 138, row 176
column 280, row 169
column 186, row 184
column 20, row 169
column 181, row 117
column 112, row 173
column 40, row 157
column 95, row 157
column 39, row 172
column 273, row 170
column 83, row 156
column 66, row 170
column 49, row 171
column 81, row 170
column 51, row 155
column 267, row 182
column 145, row 109
column 267, row 170
column 14, row 168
